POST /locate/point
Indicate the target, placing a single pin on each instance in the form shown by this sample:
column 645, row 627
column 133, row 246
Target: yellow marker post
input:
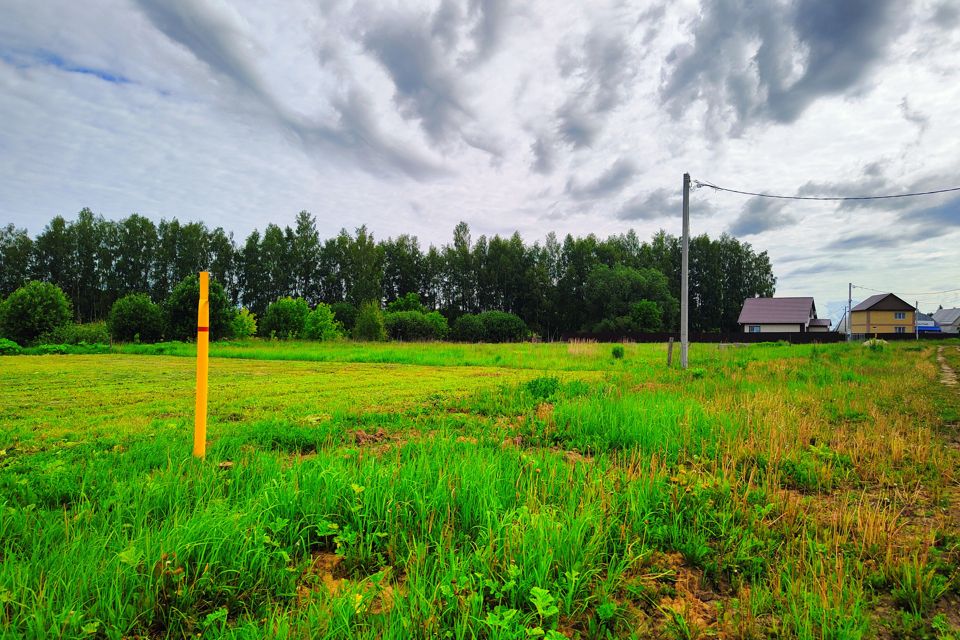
column 203, row 350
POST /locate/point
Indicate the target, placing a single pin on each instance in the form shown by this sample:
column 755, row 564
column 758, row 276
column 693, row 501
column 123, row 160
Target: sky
column 532, row 116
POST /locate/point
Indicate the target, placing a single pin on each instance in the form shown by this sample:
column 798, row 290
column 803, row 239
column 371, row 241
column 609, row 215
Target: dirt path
column 947, row 375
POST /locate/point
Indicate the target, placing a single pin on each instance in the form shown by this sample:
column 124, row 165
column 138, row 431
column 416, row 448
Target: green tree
column 32, row 310
column 136, row 246
column 369, row 325
column 243, row 325
column 407, row 302
column 180, row 310
column 305, row 259
column 16, row 248
column 345, row 313
column 322, row 325
column 285, row 318
column 135, row 317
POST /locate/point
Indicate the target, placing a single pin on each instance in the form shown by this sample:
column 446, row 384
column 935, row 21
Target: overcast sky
column 574, row 117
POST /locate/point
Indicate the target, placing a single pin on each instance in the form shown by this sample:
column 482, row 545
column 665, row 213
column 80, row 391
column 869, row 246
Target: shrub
column 9, row 347
column 617, row 352
column 407, row 302
column 876, row 344
column 468, row 328
column 32, row 310
column 180, row 310
column 244, row 324
column 285, row 318
column 415, row 325
column 499, row 326
column 543, row 387
column 345, row 313
column 135, row 318
column 321, row 324
column 369, row 325
column 439, row 324
column 88, row 333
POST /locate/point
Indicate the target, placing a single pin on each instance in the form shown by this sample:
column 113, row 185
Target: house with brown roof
column 882, row 313
column 781, row 315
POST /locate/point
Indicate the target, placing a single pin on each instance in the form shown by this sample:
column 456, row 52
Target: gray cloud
column 763, row 61
column 219, row 40
column 608, row 183
column 603, row 65
column 662, row 203
column 427, row 88
column 916, row 117
column 759, row 215
column 544, row 154
column 818, row 268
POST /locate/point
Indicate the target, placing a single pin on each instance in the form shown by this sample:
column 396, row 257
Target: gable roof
column 777, row 311
column 946, row 316
column 884, row 302
column 820, row 322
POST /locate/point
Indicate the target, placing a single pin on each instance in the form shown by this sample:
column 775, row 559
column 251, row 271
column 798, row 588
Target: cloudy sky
column 532, row 116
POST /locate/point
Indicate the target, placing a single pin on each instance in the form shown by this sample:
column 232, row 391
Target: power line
column 926, row 293
column 700, row 183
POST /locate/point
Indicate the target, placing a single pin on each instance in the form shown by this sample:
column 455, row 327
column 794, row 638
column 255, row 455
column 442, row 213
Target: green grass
column 492, row 491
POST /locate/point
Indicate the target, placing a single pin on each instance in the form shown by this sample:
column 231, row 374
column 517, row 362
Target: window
column 900, row 329
column 900, row 315
column 754, row 328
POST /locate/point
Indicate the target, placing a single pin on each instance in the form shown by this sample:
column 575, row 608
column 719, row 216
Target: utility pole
column 916, row 319
column 685, row 276
column 849, row 311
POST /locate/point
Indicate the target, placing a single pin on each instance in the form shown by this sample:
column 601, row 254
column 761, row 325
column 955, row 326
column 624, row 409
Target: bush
column 875, row 344
column 415, row 325
column 135, row 318
column 243, row 325
column 321, row 324
column 369, row 325
column 617, row 352
column 490, row 326
column 180, row 310
column 407, row 302
column 89, row 333
column 345, row 313
column 32, row 310
column 285, row 318
column 499, row 326
column 9, row 347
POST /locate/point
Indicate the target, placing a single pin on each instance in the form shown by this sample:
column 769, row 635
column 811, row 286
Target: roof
column 777, row 311
column 946, row 316
column 924, row 317
column 820, row 322
column 884, row 302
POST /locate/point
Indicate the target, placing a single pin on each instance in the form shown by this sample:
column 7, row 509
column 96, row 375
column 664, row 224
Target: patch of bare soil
column 327, row 573
column 947, row 375
column 362, row 437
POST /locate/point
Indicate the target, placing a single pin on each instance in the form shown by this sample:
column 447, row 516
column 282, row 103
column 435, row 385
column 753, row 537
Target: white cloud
column 538, row 116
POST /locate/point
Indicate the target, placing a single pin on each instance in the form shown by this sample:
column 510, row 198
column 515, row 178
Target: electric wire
column 701, row 183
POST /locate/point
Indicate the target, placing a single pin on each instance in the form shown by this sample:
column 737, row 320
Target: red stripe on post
column 203, row 328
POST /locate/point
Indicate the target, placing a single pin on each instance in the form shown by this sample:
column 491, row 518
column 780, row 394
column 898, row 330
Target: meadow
column 482, row 491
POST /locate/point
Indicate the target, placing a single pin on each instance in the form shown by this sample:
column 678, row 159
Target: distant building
column 926, row 323
column 881, row 314
column 780, row 315
column 948, row 320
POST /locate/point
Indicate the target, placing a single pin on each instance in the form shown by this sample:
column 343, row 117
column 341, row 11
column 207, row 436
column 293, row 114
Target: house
column 780, row 315
column 882, row 313
column 926, row 323
column 948, row 320
column 819, row 325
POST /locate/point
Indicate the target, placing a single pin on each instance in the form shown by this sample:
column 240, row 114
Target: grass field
column 493, row 491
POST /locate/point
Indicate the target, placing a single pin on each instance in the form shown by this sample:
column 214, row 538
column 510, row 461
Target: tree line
column 556, row 286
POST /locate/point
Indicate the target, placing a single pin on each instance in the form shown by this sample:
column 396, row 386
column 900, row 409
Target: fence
column 743, row 337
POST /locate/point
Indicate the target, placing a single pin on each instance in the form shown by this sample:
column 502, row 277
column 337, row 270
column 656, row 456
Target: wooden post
column 669, row 352
column 203, row 347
